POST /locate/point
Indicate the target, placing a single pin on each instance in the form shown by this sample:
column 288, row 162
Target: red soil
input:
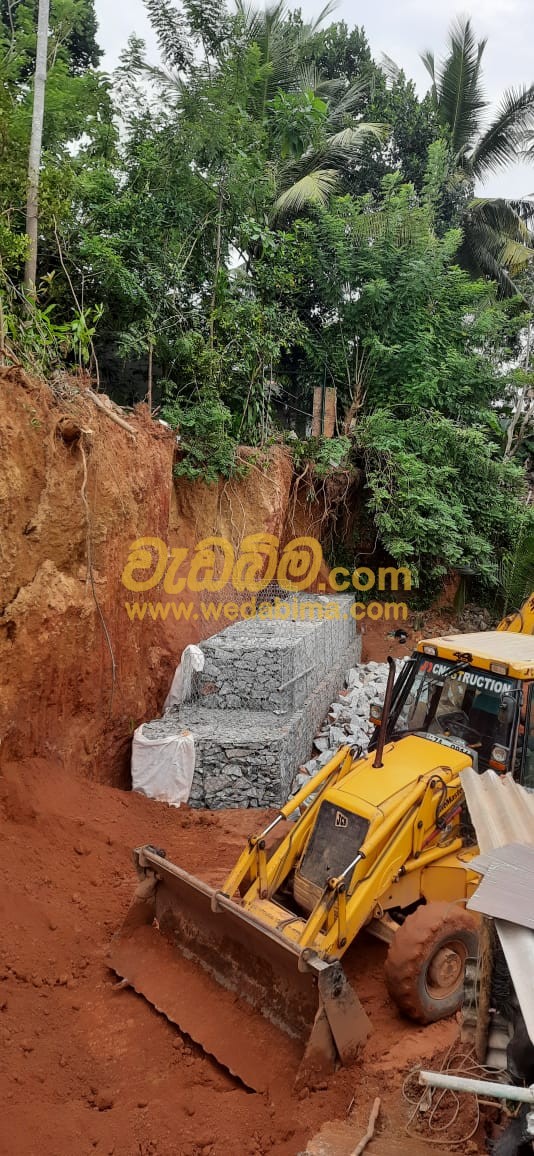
column 88, row 1068
column 76, row 490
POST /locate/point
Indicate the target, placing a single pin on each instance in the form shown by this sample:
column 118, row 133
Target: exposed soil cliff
column 76, row 489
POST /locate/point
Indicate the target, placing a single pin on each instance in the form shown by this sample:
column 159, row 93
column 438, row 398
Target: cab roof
column 516, row 651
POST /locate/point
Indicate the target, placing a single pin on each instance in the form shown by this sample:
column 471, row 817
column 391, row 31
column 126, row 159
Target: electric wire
column 430, row 1100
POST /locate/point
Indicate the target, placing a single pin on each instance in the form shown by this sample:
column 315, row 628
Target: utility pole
column 36, row 140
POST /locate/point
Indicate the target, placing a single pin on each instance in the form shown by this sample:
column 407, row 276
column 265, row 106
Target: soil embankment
column 76, row 490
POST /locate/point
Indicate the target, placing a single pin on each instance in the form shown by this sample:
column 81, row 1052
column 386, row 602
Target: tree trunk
column 217, row 260
column 523, row 394
column 150, row 363
column 34, row 163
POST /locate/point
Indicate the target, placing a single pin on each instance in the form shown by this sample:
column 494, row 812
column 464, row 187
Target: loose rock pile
column 348, row 718
column 473, row 619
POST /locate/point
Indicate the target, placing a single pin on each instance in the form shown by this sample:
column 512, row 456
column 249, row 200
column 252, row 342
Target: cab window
column 527, row 768
column 457, row 700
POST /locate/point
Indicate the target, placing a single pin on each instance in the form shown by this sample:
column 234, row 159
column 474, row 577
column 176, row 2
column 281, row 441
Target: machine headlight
column 499, row 756
column 429, row 649
column 375, row 713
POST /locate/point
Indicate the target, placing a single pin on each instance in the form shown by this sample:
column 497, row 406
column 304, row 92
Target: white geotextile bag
column 192, row 659
column 163, row 768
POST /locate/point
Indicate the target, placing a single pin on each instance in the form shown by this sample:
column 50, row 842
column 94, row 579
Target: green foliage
column 269, row 211
column 438, row 495
column 34, row 336
column 382, row 97
column 496, row 242
column 78, row 104
column 326, row 456
column 516, row 568
column 298, row 118
column 209, row 452
column 391, row 319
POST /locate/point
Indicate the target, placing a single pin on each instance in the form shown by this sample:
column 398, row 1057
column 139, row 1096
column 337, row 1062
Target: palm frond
column 429, row 62
column 477, row 254
column 331, row 89
column 524, row 209
column 260, row 21
column 325, row 12
column 308, row 77
column 352, row 140
column 460, row 97
column 314, row 189
column 516, row 571
column 503, row 140
column 496, row 244
column 349, row 104
column 390, row 68
column 502, row 216
column 168, row 81
column 336, row 152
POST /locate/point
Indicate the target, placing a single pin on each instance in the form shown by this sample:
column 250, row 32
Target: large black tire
column 424, row 969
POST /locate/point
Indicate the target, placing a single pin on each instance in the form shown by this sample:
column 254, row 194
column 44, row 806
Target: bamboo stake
column 114, row 416
column 370, row 1129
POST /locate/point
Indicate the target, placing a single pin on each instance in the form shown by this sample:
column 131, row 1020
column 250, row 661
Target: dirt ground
column 86, row 1067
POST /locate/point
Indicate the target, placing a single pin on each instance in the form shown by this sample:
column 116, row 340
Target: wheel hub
column 445, row 970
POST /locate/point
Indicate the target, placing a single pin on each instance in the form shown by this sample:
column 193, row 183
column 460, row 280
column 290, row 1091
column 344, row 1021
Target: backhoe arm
column 392, row 847
column 522, row 621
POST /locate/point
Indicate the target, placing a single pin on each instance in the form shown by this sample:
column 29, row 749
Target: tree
column 287, row 97
column 390, row 318
column 497, row 240
column 36, row 139
column 77, row 105
column 385, row 96
column 440, row 497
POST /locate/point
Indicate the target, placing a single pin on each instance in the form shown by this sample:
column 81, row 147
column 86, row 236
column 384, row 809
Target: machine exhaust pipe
column 385, row 714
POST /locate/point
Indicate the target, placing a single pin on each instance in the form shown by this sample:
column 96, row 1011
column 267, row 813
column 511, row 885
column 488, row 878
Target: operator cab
column 460, row 690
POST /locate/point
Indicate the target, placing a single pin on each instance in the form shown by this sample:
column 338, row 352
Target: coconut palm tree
column 497, row 239
column 322, row 137
column 309, row 171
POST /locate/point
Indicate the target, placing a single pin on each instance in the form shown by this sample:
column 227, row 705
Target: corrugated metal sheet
column 518, row 856
column 503, row 812
column 507, row 889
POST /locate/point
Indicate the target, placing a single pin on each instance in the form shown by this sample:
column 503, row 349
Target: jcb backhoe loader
column 382, row 842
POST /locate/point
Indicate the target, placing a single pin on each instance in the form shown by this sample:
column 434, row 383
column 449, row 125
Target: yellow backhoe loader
column 381, row 842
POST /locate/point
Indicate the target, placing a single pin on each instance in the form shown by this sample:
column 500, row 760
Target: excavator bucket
column 273, row 1008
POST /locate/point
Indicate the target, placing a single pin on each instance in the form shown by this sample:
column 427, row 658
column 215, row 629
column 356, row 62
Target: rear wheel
column 424, row 969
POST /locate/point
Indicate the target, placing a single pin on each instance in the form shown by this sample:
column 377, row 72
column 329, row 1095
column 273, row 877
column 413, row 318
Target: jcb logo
column 341, row 820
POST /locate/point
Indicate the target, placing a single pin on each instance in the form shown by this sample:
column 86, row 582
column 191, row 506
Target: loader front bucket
column 273, row 1008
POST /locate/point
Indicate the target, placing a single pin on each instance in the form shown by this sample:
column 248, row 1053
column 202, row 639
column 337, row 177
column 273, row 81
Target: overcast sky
column 402, row 29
